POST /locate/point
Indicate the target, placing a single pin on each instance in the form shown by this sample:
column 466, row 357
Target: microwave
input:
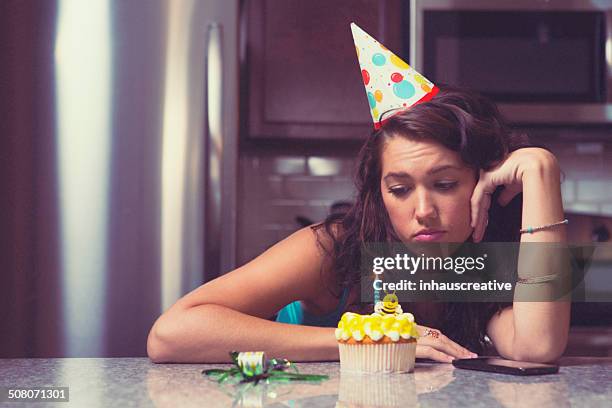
column 541, row 61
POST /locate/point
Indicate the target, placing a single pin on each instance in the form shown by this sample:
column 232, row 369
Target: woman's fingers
column 475, row 206
column 455, row 349
column 439, row 342
column 480, row 203
column 481, row 197
column 432, row 353
column 476, row 197
column 447, row 346
column 483, row 219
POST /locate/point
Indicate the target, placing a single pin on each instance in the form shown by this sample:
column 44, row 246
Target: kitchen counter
column 106, row 382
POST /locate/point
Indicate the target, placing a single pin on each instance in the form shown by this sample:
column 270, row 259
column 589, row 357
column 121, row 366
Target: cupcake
column 382, row 342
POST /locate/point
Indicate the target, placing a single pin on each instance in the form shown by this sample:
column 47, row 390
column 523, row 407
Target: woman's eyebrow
column 433, row 170
column 398, row 174
column 442, row 167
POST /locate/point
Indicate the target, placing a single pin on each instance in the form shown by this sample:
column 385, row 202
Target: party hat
column 391, row 84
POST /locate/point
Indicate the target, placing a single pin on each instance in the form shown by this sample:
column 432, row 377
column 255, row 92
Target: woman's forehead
column 418, row 156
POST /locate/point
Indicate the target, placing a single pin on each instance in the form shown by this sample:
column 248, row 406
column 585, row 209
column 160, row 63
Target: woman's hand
column 434, row 345
column 509, row 173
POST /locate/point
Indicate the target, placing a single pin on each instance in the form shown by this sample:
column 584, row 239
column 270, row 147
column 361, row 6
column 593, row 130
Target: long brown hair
column 462, row 121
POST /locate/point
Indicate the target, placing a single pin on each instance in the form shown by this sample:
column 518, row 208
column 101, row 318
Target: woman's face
column 426, row 189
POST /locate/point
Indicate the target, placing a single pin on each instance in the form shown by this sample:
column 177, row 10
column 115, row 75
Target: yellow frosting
column 375, row 326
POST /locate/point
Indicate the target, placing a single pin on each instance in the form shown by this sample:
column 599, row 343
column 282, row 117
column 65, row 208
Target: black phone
column 499, row 365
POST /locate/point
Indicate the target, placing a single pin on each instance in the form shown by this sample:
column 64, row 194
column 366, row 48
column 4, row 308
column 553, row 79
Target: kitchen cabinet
column 304, row 80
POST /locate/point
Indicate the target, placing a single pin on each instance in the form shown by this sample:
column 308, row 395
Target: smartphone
column 499, row 365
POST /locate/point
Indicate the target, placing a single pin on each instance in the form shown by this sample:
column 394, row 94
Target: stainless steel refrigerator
column 118, row 167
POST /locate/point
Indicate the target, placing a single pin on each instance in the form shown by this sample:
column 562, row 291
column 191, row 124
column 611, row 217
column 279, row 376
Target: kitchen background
column 275, row 150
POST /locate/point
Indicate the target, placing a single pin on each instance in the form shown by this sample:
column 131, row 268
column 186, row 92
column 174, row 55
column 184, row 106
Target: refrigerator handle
column 213, row 151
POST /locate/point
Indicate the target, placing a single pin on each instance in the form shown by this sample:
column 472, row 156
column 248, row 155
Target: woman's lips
column 429, row 236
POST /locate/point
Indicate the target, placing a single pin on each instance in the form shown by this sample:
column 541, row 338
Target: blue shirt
column 293, row 313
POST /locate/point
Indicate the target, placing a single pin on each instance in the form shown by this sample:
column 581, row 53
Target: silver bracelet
column 538, row 279
column 531, row 230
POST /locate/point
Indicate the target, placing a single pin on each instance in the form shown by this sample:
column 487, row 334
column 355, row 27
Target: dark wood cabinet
column 304, row 80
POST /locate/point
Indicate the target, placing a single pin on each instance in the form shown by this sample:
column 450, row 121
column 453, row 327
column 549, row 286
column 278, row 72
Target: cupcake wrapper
column 377, row 358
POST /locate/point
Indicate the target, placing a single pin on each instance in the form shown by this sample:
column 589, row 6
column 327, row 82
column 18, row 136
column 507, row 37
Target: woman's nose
column 425, row 207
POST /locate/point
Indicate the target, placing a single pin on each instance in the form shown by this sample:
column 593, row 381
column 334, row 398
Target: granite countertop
column 108, row 382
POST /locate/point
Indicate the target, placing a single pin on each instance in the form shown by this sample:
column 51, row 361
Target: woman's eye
column 399, row 191
column 446, row 185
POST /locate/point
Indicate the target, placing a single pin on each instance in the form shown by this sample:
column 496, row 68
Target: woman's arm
column 535, row 331
column 207, row 333
column 231, row 312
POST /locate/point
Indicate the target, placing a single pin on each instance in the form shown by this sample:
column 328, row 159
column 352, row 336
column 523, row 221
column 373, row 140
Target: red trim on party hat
column 427, row 97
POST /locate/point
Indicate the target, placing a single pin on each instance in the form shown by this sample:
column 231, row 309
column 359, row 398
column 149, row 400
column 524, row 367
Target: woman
column 430, row 173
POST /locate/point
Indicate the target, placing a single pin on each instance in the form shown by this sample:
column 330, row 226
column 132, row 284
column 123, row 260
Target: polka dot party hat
column 391, row 84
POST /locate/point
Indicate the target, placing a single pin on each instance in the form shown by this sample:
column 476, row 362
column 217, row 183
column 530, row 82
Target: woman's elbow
column 164, row 340
column 171, row 339
column 539, row 352
column 158, row 343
